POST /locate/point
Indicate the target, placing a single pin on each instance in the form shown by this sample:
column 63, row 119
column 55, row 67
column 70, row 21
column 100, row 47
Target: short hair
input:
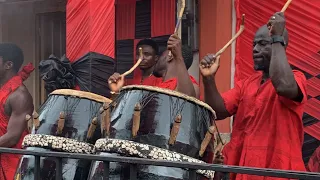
column 149, row 42
column 11, row 52
column 187, row 55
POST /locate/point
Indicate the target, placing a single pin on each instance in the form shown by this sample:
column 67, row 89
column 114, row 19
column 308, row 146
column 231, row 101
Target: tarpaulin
column 90, row 27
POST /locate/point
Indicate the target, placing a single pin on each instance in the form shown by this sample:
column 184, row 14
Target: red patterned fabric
column 162, row 17
column 90, row 27
column 9, row 162
column 125, row 21
column 314, row 161
column 268, row 129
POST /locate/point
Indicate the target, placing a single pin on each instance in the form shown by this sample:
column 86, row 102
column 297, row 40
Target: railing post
column 106, row 166
column 192, row 174
column 133, row 172
column 58, row 168
column 37, row 167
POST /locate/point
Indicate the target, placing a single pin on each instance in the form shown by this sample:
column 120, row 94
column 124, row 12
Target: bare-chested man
column 16, row 102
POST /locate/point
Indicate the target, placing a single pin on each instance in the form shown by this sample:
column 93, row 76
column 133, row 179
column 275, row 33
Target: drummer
column 173, row 69
column 15, row 103
column 268, row 130
column 150, row 52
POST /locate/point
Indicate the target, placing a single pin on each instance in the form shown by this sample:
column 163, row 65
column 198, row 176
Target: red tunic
column 268, row 130
column 172, row 83
column 149, row 81
column 314, row 161
column 9, row 162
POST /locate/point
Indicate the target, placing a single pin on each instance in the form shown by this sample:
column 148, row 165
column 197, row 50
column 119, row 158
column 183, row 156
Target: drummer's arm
column 21, row 104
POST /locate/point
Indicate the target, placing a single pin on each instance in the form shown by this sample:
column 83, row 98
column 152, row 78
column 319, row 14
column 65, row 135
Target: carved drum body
column 150, row 120
column 69, row 122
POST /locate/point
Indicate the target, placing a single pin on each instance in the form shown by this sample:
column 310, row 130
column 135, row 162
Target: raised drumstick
column 286, row 6
column 183, row 5
column 113, row 85
column 233, row 38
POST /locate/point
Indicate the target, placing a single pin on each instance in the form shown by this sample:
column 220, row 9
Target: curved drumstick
column 135, row 65
column 286, row 6
column 233, row 38
column 183, row 5
column 113, row 85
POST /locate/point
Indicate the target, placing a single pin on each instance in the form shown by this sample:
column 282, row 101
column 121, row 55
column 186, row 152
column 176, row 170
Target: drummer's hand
column 209, row 65
column 116, row 81
column 276, row 24
column 219, row 158
column 174, row 45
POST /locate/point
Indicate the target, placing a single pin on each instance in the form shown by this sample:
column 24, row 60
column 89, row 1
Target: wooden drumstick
column 29, row 120
column 207, row 139
column 105, row 120
column 232, row 39
column 183, row 5
column 175, row 129
column 92, row 127
column 61, row 122
column 136, row 119
column 36, row 121
column 113, row 85
column 286, row 6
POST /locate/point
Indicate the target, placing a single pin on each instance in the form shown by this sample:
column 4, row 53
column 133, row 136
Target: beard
column 263, row 65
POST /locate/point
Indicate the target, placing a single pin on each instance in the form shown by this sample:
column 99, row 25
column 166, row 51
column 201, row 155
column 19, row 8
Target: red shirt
column 172, row 83
column 268, row 130
column 149, row 81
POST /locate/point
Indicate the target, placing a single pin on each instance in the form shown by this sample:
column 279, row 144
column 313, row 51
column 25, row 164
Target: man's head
column 150, row 53
column 262, row 48
column 11, row 58
column 161, row 66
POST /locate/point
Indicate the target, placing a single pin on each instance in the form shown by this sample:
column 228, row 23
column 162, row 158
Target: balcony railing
column 192, row 167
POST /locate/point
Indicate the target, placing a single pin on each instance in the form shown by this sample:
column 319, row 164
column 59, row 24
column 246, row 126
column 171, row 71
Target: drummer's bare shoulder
column 19, row 103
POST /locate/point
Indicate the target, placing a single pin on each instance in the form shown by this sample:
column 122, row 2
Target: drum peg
column 206, row 140
column 136, row 119
column 61, row 122
column 29, row 122
column 219, row 149
column 105, row 119
column 175, row 129
column 92, row 127
column 36, row 121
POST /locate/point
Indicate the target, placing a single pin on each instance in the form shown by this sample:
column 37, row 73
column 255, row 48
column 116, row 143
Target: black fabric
column 90, row 72
column 162, row 42
column 143, row 19
column 124, row 54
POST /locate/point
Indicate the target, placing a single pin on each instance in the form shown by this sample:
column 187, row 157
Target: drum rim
column 173, row 93
column 81, row 94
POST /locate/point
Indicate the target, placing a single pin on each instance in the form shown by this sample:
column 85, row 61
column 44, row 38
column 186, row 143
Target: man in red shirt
column 173, row 69
column 268, row 130
column 150, row 52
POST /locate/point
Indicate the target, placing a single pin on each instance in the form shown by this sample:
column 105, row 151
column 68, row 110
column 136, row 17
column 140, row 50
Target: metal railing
column 192, row 167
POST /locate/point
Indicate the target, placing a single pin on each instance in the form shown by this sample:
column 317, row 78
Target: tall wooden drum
column 156, row 123
column 69, row 121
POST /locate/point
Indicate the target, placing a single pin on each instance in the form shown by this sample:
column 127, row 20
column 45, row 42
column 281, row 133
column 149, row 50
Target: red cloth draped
column 162, row 17
column 125, row 21
column 314, row 161
column 9, row 162
column 90, row 27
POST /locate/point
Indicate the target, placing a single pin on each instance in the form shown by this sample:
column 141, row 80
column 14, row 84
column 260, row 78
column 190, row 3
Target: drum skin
column 157, row 116
column 79, row 114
